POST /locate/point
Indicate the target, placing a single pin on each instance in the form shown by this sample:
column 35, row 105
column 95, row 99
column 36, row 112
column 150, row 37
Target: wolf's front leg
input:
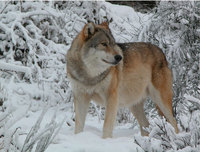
column 81, row 102
column 110, row 116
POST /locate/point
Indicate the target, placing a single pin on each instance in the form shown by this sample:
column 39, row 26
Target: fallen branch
column 16, row 68
column 192, row 99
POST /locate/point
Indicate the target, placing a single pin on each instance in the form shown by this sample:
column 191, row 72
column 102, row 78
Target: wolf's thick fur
column 117, row 75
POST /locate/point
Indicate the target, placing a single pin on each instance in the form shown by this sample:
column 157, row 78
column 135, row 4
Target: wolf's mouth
column 113, row 63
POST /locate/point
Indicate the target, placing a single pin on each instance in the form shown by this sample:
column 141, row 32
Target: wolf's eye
column 104, row 44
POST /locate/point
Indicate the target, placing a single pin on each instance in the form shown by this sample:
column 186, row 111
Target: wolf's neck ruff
column 83, row 77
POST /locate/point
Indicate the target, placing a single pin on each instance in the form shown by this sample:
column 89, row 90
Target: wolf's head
column 100, row 45
column 99, row 50
column 93, row 51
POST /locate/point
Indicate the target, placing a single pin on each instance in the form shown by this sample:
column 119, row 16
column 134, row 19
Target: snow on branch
column 41, row 12
column 192, row 99
column 16, row 68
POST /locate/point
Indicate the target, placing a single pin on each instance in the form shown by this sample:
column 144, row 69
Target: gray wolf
column 117, row 75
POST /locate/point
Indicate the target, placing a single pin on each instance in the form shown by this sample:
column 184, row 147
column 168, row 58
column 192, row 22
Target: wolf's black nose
column 118, row 58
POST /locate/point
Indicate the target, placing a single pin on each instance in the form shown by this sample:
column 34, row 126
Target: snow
column 17, row 68
column 128, row 14
column 89, row 141
column 39, row 111
column 192, row 99
column 130, row 22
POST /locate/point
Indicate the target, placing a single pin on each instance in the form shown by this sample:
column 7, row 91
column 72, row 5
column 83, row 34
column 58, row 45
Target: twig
column 5, row 7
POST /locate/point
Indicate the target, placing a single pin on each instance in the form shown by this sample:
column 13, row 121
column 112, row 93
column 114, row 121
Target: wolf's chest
column 99, row 88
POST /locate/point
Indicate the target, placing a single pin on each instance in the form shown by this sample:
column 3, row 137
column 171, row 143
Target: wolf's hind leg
column 161, row 94
column 138, row 112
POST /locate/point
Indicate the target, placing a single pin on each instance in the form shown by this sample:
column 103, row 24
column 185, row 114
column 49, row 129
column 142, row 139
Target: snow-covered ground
column 90, row 140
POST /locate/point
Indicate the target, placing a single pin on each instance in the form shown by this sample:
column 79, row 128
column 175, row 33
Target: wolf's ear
column 89, row 30
column 105, row 24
